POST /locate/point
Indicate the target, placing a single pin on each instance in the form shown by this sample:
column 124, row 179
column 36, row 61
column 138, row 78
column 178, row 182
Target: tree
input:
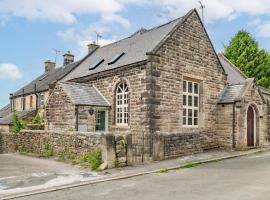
column 17, row 123
column 244, row 52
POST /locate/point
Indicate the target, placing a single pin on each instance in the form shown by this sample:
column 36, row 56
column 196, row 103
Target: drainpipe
column 77, row 117
column 233, row 127
column 11, row 102
column 23, row 99
column 35, row 89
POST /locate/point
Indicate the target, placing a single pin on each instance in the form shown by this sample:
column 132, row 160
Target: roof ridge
column 147, row 30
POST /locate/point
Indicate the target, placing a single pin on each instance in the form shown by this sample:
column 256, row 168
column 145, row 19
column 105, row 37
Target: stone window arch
column 122, row 104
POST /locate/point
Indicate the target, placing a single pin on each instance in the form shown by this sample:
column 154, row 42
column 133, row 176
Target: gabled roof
column 230, row 93
column 235, row 76
column 7, row 119
column 135, row 49
column 83, row 94
column 5, row 111
column 43, row 81
column 235, row 92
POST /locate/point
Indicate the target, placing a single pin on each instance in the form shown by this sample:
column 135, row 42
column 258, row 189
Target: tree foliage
column 17, row 123
column 244, row 52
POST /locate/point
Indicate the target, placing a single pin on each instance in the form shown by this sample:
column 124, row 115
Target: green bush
column 38, row 119
column 93, row 158
column 17, row 123
column 116, row 163
column 47, row 151
column 24, row 149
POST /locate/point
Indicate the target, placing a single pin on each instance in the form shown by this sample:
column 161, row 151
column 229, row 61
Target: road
column 240, row 178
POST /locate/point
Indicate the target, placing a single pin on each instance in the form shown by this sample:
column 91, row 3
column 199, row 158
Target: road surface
column 240, row 178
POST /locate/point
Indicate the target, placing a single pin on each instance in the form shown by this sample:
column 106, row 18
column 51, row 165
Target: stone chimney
column 92, row 47
column 49, row 65
column 68, row 58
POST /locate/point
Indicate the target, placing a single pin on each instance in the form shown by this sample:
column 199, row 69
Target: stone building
column 32, row 98
column 167, row 81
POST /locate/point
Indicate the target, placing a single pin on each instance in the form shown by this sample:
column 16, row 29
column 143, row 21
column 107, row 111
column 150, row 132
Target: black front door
column 100, row 120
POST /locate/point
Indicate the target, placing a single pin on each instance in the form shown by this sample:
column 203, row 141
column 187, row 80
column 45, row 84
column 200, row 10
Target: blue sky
column 31, row 29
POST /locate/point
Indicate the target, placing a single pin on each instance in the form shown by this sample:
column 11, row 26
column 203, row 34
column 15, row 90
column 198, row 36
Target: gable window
column 190, row 104
column 122, row 93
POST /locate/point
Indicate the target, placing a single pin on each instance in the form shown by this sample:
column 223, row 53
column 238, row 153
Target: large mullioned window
column 122, row 93
column 190, row 104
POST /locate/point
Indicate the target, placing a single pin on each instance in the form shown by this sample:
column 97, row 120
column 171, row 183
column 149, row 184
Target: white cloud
column 9, row 72
column 63, row 11
column 85, row 36
column 263, row 30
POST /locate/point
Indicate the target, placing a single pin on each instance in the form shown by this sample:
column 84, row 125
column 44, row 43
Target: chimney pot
column 68, row 58
column 92, row 47
column 49, row 65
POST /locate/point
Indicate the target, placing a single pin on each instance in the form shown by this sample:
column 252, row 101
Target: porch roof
column 84, row 94
column 230, row 93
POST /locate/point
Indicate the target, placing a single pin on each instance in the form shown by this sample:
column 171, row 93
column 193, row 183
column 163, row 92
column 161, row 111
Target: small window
column 41, row 100
column 31, row 101
column 190, row 116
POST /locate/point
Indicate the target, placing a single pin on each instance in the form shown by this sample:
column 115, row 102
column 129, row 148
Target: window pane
column 195, row 113
column 190, row 87
column 184, row 100
column 184, row 120
column 184, row 86
column 189, row 121
column 184, row 112
column 189, row 100
column 196, row 102
column 196, row 88
column 195, row 121
column 189, row 112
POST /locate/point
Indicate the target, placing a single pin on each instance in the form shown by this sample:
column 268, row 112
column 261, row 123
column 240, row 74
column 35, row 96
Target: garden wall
column 40, row 141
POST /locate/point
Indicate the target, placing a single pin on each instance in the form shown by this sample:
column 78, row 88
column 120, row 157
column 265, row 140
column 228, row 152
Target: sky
column 31, row 30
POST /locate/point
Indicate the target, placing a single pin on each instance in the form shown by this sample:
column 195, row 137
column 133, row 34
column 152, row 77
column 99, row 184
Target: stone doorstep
column 119, row 176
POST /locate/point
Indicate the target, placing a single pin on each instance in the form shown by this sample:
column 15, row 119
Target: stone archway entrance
column 251, row 127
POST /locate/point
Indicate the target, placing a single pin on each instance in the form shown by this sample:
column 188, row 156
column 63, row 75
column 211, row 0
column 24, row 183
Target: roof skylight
column 96, row 65
column 117, row 57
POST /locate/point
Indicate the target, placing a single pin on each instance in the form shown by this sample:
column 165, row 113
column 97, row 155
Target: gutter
column 35, row 88
column 77, row 117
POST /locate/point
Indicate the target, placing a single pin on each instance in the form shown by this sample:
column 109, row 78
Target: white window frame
column 122, row 105
column 41, row 102
column 187, row 108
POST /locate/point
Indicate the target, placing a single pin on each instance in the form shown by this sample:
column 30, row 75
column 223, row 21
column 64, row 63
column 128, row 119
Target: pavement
column 26, row 176
column 241, row 178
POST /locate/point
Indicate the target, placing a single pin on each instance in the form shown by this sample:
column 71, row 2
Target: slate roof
column 235, row 76
column 43, row 81
column 83, row 94
column 135, row 48
column 230, row 93
column 5, row 111
column 7, row 119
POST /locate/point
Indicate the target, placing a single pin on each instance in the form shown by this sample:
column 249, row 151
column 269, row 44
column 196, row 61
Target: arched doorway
column 251, row 127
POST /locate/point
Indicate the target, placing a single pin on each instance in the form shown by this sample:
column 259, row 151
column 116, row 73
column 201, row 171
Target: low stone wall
column 168, row 146
column 36, row 141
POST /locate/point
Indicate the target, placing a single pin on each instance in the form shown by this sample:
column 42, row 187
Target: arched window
column 122, row 104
